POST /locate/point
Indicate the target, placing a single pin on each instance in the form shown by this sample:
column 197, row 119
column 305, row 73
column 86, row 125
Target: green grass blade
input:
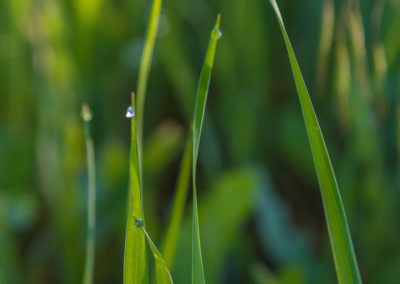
column 178, row 206
column 144, row 71
column 342, row 247
column 162, row 273
column 200, row 104
column 88, row 277
column 135, row 268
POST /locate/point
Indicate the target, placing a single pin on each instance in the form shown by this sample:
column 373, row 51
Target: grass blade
column 342, row 247
column 178, row 206
column 162, row 273
column 200, row 104
column 135, row 268
column 144, row 71
column 88, row 277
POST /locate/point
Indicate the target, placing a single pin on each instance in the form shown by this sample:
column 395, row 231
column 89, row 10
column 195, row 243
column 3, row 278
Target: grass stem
column 91, row 202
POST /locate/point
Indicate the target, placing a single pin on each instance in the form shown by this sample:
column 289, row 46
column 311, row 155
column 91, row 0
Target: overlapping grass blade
column 91, row 203
column 200, row 104
column 342, row 247
column 161, row 270
column 135, row 262
column 178, row 206
column 135, row 266
column 144, row 71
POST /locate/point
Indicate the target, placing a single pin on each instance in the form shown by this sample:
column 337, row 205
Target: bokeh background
column 261, row 214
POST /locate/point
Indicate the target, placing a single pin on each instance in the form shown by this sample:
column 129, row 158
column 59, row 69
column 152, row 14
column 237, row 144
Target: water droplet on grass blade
column 139, row 223
column 130, row 112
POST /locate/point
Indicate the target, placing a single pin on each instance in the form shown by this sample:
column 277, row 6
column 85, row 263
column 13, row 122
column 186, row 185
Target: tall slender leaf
column 135, row 268
column 178, row 206
column 200, row 104
column 342, row 247
column 91, row 203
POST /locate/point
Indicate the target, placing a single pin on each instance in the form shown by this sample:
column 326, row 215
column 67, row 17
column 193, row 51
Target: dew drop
column 138, row 223
column 130, row 112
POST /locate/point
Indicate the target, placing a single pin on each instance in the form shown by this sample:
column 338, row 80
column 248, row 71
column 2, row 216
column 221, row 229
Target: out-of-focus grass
column 56, row 54
column 88, row 277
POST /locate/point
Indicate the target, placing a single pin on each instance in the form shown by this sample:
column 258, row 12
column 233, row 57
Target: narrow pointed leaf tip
column 341, row 243
column 216, row 32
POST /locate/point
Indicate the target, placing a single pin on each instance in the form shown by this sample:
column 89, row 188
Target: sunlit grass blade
column 135, row 267
column 145, row 70
column 342, row 247
column 161, row 270
column 178, row 206
column 199, row 109
column 91, row 203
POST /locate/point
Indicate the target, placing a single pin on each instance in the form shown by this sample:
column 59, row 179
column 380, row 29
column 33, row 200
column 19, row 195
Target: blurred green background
column 261, row 216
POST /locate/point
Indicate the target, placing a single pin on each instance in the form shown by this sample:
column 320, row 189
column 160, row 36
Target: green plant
column 178, row 206
column 342, row 247
column 199, row 109
column 135, row 246
column 135, row 268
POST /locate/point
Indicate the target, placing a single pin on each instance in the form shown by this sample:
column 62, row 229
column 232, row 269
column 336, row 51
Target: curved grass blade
column 162, row 273
column 199, row 109
column 342, row 247
column 144, row 71
column 135, row 269
column 178, row 206
column 88, row 277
